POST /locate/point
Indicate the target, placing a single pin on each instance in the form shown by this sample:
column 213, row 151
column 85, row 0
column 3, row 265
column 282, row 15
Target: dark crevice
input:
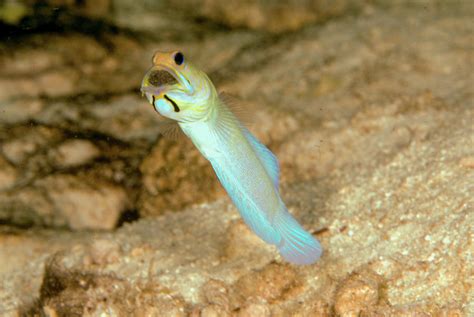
column 76, row 134
column 59, row 20
column 128, row 216
column 268, row 40
column 86, row 98
column 96, row 136
column 212, row 25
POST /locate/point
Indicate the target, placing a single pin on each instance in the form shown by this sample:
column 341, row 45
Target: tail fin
column 297, row 245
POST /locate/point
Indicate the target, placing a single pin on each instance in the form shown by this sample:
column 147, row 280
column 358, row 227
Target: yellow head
column 177, row 89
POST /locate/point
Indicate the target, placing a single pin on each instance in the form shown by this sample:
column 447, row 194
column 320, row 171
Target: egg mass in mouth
column 161, row 77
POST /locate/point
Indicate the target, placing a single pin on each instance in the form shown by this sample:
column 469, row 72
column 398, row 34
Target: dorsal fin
column 268, row 159
column 233, row 109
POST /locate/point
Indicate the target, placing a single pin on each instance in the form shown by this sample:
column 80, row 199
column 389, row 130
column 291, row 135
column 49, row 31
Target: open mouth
column 155, row 82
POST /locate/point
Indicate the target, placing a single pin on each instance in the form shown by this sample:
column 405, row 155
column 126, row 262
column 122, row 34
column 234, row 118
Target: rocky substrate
column 369, row 108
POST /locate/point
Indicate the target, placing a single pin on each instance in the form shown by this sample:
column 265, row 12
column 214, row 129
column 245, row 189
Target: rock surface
column 370, row 114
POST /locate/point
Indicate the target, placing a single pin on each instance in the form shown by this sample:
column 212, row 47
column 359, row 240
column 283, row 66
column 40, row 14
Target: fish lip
column 149, row 92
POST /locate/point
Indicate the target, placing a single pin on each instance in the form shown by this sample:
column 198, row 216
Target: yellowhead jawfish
column 247, row 169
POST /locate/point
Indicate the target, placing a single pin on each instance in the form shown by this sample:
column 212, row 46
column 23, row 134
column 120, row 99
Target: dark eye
column 178, row 58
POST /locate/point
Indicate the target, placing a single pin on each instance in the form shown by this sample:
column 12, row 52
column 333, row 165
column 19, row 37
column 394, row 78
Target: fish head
column 177, row 89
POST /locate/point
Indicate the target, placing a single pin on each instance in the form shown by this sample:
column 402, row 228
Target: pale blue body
column 249, row 173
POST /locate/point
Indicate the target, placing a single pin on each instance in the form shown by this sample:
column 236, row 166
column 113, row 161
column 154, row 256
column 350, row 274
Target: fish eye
column 178, row 58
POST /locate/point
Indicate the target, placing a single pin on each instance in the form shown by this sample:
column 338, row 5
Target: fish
column 246, row 168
